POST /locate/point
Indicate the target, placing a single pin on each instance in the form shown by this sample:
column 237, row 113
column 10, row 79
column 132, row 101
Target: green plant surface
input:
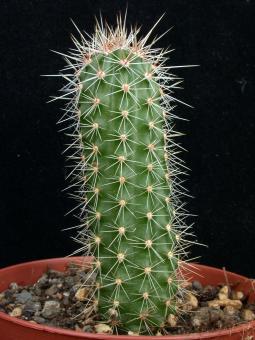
column 125, row 169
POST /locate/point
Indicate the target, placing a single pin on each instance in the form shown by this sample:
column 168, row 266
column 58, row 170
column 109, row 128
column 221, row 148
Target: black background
column 217, row 35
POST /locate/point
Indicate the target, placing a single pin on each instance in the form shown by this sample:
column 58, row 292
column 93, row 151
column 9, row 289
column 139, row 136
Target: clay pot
column 15, row 329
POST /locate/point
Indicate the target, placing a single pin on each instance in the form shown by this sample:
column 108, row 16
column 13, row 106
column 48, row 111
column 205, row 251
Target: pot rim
column 243, row 328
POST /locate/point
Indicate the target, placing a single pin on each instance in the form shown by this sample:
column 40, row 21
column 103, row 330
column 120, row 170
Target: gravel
column 58, row 299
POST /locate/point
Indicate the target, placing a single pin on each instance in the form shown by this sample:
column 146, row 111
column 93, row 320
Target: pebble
column 172, row 320
column 201, row 318
column 191, row 302
column 43, row 281
column 81, row 294
column 16, row 312
column 230, row 310
column 237, row 295
column 51, row 290
column 69, row 280
column 215, row 314
column 51, row 309
column 224, row 291
column 132, row 333
column 208, row 293
column 196, row 285
column 54, row 281
column 89, row 278
column 23, row 297
column 230, row 320
column 39, row 319
column 234, row 303
column 248, row 315
column 13, row 286
column 32, row 307
column 196, row 322
column 103, row 328
column 251, row 306
column 2, row 297
column 88, row 321
column 237, row 304
column 222, row 296
column 77, row 328
column 9, row 294
column 36, row 298
column 37, row 290
column 59, row 296
column 65, row 301
column 87, row 328
column 55, row 273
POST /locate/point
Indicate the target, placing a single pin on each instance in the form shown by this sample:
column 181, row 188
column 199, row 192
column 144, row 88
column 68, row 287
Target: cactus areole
column 125, row 169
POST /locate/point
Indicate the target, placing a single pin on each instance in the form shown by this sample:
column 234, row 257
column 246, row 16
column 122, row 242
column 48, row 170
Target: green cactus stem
column 125, row 167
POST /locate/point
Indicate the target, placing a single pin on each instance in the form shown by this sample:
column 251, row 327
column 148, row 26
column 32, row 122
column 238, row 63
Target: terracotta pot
column 14, row 329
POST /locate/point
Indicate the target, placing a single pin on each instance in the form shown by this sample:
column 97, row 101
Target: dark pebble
column 208, row 293
column 65, row 301
column 70, row 281
column 52, row 274
column 89, row 278
column 35, row 298
column 231, row 320
column 215, row 314
column 201, row 318
column 70, row 323
column 32, row 307
column 23, row 297
column 196, row 285
column 219, row 324
column 37, row 290
column 87, row 328
column 8, row 294
column 43, row 282
column 39, row 319
column 4, row 302
column 27, row 315
column 251, row 306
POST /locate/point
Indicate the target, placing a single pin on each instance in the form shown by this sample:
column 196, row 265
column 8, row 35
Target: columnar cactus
column 125, row 163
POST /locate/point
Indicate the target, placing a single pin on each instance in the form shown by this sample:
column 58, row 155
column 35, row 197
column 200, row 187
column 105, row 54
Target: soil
column 58, row 299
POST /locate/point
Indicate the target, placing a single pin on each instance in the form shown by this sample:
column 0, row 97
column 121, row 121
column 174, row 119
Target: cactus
column 125, row 168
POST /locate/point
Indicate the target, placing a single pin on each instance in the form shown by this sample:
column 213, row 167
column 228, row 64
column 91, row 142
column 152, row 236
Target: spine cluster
column 126, row 171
